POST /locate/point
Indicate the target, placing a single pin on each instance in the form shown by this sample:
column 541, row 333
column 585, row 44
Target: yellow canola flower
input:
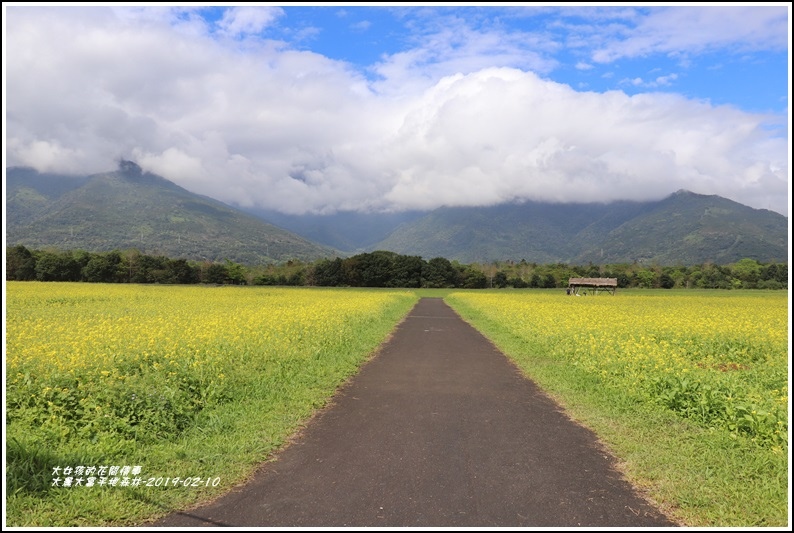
column 734, row 341
column 206, row 334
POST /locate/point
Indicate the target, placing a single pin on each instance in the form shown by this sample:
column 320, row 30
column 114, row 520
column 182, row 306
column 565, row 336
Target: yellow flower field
column 182, row 380
column 716, row 358
column 110, row 360
column 207, row 381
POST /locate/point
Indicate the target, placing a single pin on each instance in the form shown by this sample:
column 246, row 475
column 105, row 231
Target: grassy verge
column 272, row 357
column 700, row 475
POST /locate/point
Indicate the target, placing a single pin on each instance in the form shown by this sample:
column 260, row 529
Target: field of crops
column 98, row 373
column 718, row 361
column 200, row 383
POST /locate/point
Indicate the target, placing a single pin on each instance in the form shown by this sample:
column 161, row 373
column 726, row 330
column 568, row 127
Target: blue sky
column 388, row 107
column 750, row 75
column 750, row 72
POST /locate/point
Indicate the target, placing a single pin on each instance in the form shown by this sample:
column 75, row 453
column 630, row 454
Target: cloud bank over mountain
column 460, row 118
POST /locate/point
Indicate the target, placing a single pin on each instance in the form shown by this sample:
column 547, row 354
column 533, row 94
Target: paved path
column 439, row 429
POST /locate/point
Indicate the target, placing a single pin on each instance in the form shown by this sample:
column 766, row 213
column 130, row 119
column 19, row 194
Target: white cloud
column 515, row 135
column 665, row 80
column 363, row 25
column 450, row 46
column 47, row 156
column 247, row 20
column 659, row 81
column 695, row 29
column 296, row 131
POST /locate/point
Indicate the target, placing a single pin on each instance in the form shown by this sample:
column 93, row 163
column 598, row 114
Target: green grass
column 228, row 443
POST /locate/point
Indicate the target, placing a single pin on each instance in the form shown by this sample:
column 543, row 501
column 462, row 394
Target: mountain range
column 684, row 228
column 130, row 208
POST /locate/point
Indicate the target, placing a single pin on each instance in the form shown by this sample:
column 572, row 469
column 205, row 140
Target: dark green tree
column 296, row 278
column 351, row 272
column 103, row 268
column 266, row 279
column 375, row 269
column 217, row 274
column 57, row 266
column 471, row 278
column 500, row 280
column 406, row 271
column 775, row 271
column 151, row 269
column 328, row 273
column 20, row 264
column 666, row 281
column 181, row 272
column 439, row 273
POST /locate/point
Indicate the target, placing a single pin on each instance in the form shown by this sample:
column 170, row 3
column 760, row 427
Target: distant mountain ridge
column 684, row 228
column 347, row 231
column 130, row 208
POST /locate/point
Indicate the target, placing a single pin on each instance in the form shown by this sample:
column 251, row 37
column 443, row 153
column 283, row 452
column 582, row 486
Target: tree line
column 378, row 269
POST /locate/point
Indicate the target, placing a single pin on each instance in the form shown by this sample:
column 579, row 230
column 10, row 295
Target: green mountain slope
column 691, row 228
column 129, row 208
column 685, row 228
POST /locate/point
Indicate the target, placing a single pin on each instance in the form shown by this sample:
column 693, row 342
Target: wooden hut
column 580, row 286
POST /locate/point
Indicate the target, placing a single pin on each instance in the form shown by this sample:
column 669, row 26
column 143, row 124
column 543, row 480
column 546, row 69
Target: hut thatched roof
column 593, row 282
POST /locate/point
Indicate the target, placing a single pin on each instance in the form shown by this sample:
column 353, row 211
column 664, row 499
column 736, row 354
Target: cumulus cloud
column 295, row 131
column 508, row 134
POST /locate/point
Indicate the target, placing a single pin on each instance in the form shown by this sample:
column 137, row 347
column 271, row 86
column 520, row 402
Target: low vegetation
column 186, row 389
column 182, row 382
column 690, row 389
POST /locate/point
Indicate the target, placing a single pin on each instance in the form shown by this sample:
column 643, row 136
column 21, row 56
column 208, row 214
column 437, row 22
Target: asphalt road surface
column 439, row 429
